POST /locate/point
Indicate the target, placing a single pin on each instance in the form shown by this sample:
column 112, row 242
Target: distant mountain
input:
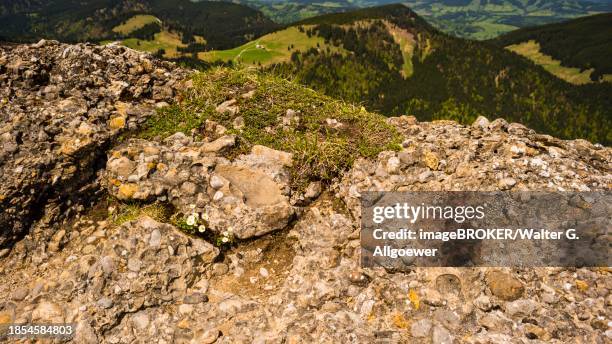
column 477, row 19
column 290, row 11
column 392, row 61
column 217, row 24
column 483, row 19
column 584, row 44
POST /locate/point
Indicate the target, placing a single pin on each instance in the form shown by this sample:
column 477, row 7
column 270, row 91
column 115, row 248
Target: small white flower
column 201, row 228
column 204, row 216
column 191, row 220
column 225, row 239
column 229, row 230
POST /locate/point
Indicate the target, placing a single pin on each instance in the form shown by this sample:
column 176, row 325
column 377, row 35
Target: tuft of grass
column 126, row 212
column 320, row 150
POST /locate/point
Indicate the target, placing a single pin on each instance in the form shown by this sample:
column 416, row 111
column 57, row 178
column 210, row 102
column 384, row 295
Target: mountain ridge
column 223, row 24
column 476, row 19
column 416, row 69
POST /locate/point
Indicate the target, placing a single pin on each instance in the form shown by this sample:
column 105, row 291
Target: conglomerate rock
column 60, row 105
column 247, row 197
column 147, row 282
column 106, row 272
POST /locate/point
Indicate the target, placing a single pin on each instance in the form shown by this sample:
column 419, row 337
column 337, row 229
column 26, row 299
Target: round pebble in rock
column 134, row 264
column 216, row 182
column 483, row 302
column 220, row 269
column 105, row 303
column 448, row 318
column 108, row 265
column 448, row 284
column 504, row 285
column 209, row 337
column 218, row 196
column 155, row 239
column 195, row 298
column 393, row 165
column 20, row 293
column 441, row 335
column 358, row 278
column 421, row 328
column 140, row 320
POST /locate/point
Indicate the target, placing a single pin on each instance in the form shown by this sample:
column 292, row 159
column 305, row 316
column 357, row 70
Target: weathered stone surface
column 262, row 207
column 123, row 274
column 444, row 155
column 504, row 286
column 146, row 281
column 247, row 197
column 60, row 107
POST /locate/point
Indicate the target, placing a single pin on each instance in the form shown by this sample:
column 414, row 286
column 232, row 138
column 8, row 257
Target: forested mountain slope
column 220, row 24
column 584, row 43
column 394, row 62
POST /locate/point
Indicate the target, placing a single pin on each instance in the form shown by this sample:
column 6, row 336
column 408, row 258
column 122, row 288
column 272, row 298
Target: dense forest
column 584, row 42
column 223, row 24
column 452, row 78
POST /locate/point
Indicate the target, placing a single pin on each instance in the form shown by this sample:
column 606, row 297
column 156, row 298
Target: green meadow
column 531, row 50
column 135, row 23
column 272, row 48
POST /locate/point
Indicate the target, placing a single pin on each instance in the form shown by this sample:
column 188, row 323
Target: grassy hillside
column 583, row 43
column 532, row 50
column 272, row 48
column 220, row 24
column 135, row 23
column 395, row 63
column 164, row 43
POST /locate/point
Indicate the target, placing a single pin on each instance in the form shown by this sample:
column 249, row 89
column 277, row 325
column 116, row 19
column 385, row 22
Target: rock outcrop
column 297, row 278
column 247, row 197
column 60, row 107
column 106, row 272
column 445, row 156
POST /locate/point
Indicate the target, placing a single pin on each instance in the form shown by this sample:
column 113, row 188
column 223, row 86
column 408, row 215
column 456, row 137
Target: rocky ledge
column 60, row 108
column 286, row 268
